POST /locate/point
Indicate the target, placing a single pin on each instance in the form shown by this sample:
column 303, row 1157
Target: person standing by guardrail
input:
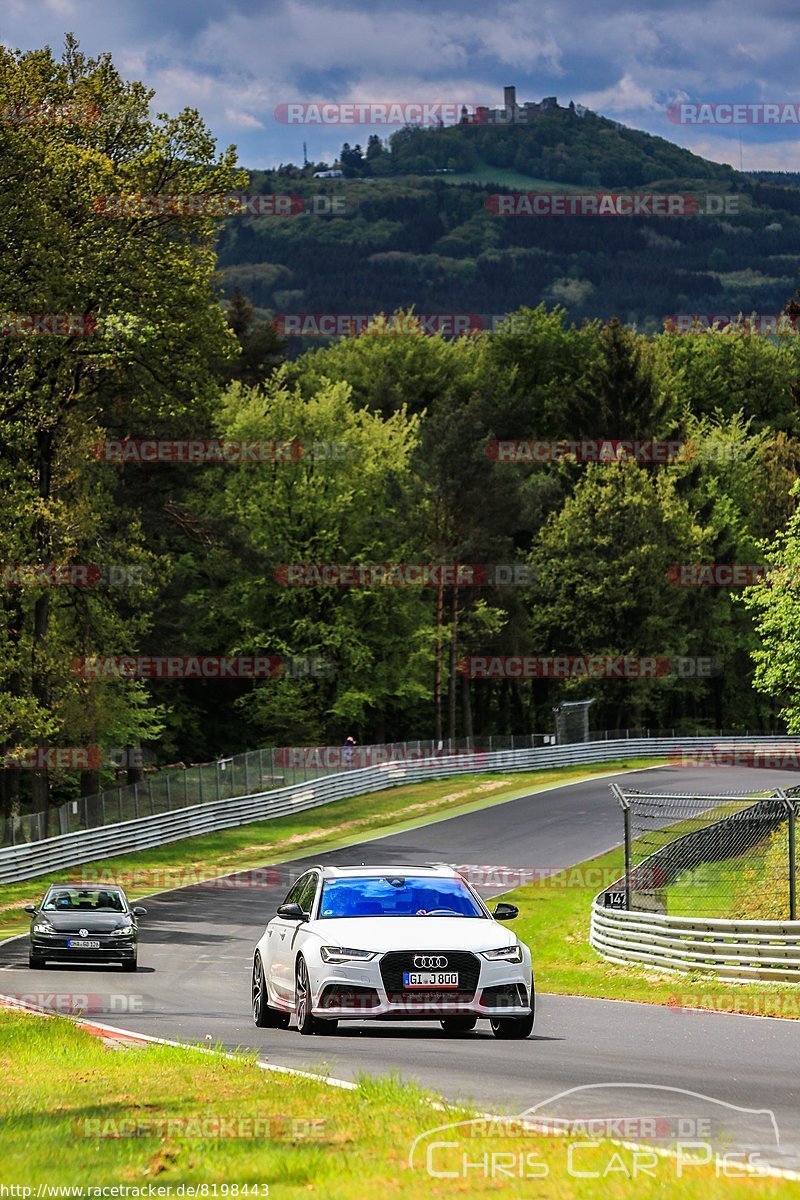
column 349, row 750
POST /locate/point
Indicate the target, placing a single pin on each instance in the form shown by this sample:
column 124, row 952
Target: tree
column 262, row 349
column 347, row 499
column 775, row 605
column 623, row 394
column 601, row 565
column 143, row 362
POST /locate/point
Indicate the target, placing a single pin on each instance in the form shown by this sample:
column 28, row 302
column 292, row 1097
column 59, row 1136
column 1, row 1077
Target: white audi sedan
column 391, row 943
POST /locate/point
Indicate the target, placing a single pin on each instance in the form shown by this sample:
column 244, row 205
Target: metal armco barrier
column 51, row 854
column 730, row 949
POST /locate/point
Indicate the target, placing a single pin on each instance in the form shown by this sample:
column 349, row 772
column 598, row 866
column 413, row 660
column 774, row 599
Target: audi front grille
column 397, row 962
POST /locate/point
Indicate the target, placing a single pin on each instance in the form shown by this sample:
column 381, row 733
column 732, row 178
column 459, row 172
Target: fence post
column 792, row 862
column 792, row 866
column 169, row 796
column 625, row 805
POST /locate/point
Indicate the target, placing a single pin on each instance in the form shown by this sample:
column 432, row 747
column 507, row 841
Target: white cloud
column 626, row 96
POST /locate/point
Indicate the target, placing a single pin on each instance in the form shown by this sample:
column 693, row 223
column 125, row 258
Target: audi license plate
column 82, row 944
column 430, row 979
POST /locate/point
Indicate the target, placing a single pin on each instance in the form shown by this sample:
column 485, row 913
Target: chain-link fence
column 731, row 855
column 273, row 767
column 240, row 775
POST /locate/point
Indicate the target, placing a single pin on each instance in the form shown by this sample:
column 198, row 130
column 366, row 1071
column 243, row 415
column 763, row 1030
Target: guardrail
column 737, row 950
column 30, row 859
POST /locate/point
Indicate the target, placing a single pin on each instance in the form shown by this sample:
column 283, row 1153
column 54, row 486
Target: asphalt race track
column 194, row 983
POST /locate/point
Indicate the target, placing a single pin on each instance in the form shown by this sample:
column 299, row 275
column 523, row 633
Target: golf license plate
column 82, row 944
column 430, row 979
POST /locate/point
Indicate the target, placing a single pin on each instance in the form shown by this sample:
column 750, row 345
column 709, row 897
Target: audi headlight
column 340, row 954
column 505, row 954
column 43, row 927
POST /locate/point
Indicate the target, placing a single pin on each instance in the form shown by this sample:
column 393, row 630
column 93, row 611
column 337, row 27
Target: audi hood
column 412, row 933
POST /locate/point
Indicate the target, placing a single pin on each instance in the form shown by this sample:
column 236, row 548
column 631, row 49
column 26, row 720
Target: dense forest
column 415, row 222
column 385, row 451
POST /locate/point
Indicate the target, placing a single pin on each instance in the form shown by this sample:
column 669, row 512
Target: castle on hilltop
column 513, row 113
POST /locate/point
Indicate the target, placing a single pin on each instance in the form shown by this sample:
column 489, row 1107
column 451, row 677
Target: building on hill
column 513, row 113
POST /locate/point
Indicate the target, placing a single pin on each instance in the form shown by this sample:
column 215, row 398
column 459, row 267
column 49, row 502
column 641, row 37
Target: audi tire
column 264, row 1016
column 507, row 1028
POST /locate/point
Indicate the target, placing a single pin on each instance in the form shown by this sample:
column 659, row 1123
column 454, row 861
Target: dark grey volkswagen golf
column 79, row 924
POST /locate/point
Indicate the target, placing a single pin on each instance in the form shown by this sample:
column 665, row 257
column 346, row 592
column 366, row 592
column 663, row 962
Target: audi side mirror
column 505, row 912
column 139, row 912
column 31, row 908
column 292, row 912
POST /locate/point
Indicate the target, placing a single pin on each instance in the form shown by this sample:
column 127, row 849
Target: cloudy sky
column 237, row 60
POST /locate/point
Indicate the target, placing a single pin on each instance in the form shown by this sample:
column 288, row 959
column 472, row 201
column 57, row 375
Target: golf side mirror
column 139, row 912
column 31, row 908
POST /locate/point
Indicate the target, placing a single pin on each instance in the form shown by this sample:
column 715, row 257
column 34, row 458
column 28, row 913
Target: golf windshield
column 397, row 896
column 68, row 899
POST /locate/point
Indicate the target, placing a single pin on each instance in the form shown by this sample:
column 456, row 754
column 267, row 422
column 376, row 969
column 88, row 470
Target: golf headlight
column 43, row 927
column 124, row 931
column 504, row 954
column 340, row 954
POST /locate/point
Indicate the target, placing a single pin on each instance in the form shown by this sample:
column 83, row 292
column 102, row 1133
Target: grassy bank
column 340, row 823
column 70, row 1105
column 554, row 921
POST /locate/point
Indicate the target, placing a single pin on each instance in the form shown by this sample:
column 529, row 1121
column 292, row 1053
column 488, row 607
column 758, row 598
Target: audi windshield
column 397, row 896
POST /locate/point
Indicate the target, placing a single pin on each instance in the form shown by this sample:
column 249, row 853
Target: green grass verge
column 69, row 1104
column 508, row 177
column 751, row 886
column 554, row 921
column 340, row 823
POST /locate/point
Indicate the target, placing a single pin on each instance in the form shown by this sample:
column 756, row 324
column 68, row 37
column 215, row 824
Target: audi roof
column 443, row 870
